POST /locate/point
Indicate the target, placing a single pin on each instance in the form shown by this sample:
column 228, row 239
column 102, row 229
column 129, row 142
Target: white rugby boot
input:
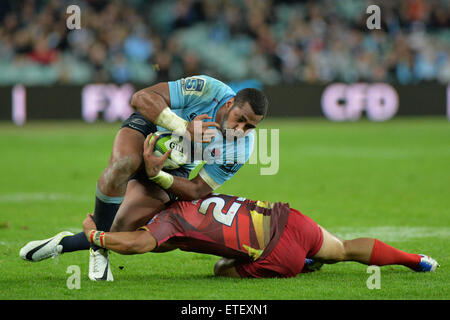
column 427, row 264
column 99, row 267
column 42, row 249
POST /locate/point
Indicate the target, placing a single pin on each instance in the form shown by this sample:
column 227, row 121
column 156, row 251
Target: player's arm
column 153, row 103
column 184, row 188
column 210, row 177
column 188, row 190
column 134, row 242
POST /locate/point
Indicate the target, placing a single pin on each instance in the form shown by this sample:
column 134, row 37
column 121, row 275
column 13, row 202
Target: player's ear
column 229, row 104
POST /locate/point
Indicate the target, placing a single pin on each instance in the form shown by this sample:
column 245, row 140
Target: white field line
column 391, row 233
column 43, row 197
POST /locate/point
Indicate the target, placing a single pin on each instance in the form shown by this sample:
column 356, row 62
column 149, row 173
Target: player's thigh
column 125, row 160
column 130, row 139
column 332, row 249
column 142, row 201
column 127, row 148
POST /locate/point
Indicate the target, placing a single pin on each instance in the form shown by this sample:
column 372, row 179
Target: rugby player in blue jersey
column 178, row 106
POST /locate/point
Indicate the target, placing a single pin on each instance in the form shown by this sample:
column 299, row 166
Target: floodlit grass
column 387, row 180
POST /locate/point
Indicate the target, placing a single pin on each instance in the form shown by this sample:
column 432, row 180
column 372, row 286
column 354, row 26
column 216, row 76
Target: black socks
column 105, row 210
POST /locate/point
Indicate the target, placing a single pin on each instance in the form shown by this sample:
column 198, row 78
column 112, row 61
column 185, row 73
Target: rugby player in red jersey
column 254, row 238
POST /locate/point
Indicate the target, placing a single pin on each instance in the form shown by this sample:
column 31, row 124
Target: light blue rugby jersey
column 193, row 96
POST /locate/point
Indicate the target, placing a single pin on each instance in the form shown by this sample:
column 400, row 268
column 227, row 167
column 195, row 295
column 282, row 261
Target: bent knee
column 121, row 168
column 333, row 249
column 346, row 250
column 125, row 164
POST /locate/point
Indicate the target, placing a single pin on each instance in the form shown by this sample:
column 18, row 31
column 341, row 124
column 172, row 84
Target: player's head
column 244, row 112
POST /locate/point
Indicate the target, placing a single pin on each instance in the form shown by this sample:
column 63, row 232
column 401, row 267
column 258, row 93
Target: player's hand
column 153, row 163
column 200, row 130
column 89, row 224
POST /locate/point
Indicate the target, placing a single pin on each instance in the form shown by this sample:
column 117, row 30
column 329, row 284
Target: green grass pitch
column 387, row 180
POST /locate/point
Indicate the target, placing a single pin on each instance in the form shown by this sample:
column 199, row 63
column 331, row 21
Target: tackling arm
column 189, row 190
column 134, row 242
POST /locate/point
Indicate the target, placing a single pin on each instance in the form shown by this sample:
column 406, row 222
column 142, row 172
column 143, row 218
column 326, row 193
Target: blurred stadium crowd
column 274, row 41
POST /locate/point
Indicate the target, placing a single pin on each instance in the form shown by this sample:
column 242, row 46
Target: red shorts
column 301, row 238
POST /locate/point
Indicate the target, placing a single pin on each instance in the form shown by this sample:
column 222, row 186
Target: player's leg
column 126, row 158
column 142, row 201
column 369, row 251
column 332, row 249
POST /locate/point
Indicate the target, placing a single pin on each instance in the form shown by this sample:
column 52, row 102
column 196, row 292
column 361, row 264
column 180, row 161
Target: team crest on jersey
column 193, row 85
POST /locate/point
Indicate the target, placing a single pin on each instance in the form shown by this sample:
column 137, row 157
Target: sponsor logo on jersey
column 193, row 85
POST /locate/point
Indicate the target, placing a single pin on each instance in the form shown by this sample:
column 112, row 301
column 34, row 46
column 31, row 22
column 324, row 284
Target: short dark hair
column 255, row 98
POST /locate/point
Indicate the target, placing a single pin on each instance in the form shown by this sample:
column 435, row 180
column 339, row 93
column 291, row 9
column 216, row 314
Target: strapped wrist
column 163, row 179
column 169, row 120
column 98, row 238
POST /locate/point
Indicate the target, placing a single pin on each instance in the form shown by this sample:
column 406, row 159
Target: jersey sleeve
column 188, row 91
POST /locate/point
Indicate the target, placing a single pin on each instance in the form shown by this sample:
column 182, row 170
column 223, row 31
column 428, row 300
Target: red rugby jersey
column 222, row 225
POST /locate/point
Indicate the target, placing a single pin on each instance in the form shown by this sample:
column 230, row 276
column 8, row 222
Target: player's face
column 240, row 120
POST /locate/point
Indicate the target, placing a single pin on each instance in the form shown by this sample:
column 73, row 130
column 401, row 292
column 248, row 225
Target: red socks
column 383, row 254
